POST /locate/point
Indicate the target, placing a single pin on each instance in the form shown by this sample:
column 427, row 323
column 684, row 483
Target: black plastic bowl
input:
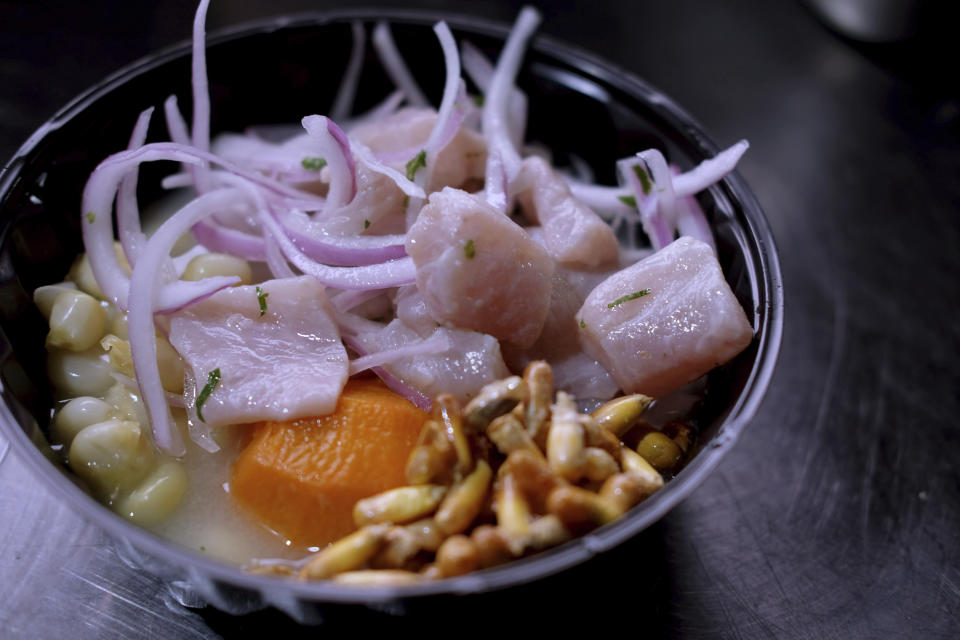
column 276, row 72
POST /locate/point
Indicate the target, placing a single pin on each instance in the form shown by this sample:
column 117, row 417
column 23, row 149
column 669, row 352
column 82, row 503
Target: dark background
column 837, row 514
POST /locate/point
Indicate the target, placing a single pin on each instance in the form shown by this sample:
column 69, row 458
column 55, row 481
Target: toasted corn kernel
column 625, row 490
column 456, row 556
column 508, row 434
column 633, row 462
column 660, row 451
column 377, row 578
column 548, row 531
column 427, row 533
column 492, row 548
column 578, row 508
column 346, row 554
column 681, row 433
column 600, row 465
column 538, row 383
column 446, row 411
column 621, row 414
column 513, row 514
column 399, row 549
column 464, row 500
column 533, row 477
column 433, row 458
column 565, row 440
column 601, row 437
column 398, row 505
column 495, row 399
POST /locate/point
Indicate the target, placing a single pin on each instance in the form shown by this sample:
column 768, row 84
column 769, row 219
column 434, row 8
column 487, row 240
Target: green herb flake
column 202, row 548
column 629, row 296
column 91, row 217
column 478, row 99
column 419, row 160
column 313, row 163
column 583, row 325
column 366, row 224
column 262, row 300
column 406, row 202
column 470, row 249
column 630, row 201
column 644, row 179
column 212, row 381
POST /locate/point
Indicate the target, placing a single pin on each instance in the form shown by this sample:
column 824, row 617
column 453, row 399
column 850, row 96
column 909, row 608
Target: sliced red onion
column 97, row 229
column 181, row 261
column 495, row 188
column 709, row 171
column 394, row 383
column 657, row 203
column 278, row 265
column 142, row 304
column 334, row 147
column 606, row 201
column 691, row 221
column 369, row 160
column 201, row 89
column 387, row 107
column 128, row 212
column 216, row 237
column 394, row 273
column 480, row 71
column 436, row 343
column 346, row 300
column 496, row 128
column 343, row 102
column 395, row 67
column 173, row 399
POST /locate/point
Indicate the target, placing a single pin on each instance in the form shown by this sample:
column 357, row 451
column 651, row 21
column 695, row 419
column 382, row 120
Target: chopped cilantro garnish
column 91, row 217
column 406, row 202
column 629, row 296
column 313, row 163
column 470, row 249
column 478, row 99
column 583, row 325
column 366, row 224
column 212, row 381
column 644, row 179
column 419, row 160
column 262, row 300
column 630, row 201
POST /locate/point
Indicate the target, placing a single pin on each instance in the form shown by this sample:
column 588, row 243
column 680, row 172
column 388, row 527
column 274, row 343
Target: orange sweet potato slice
column 302, row 478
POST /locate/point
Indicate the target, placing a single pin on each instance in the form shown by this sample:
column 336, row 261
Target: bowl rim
column 767, row 280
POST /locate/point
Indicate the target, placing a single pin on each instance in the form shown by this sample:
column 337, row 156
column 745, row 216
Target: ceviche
column 384, row 347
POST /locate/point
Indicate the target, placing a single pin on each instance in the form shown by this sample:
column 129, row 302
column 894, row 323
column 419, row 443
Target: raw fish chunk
column 559, row 344
column 478, row 270
column 471, row 360
column 573, row 233
column 665, row 321
column 463, row 159
column 287, row 364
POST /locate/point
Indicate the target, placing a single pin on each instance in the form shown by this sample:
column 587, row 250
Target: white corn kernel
column 170, row 365
column 126, row 403
column 83, row 373
column 118, row 326
column 157, row 496
column 208, row 265
column 82, row 274
column 45, row 296
column 113, row 456
column 77, row 321
column 76, row 415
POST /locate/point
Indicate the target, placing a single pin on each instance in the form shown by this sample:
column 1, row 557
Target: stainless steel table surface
column 837, row 515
